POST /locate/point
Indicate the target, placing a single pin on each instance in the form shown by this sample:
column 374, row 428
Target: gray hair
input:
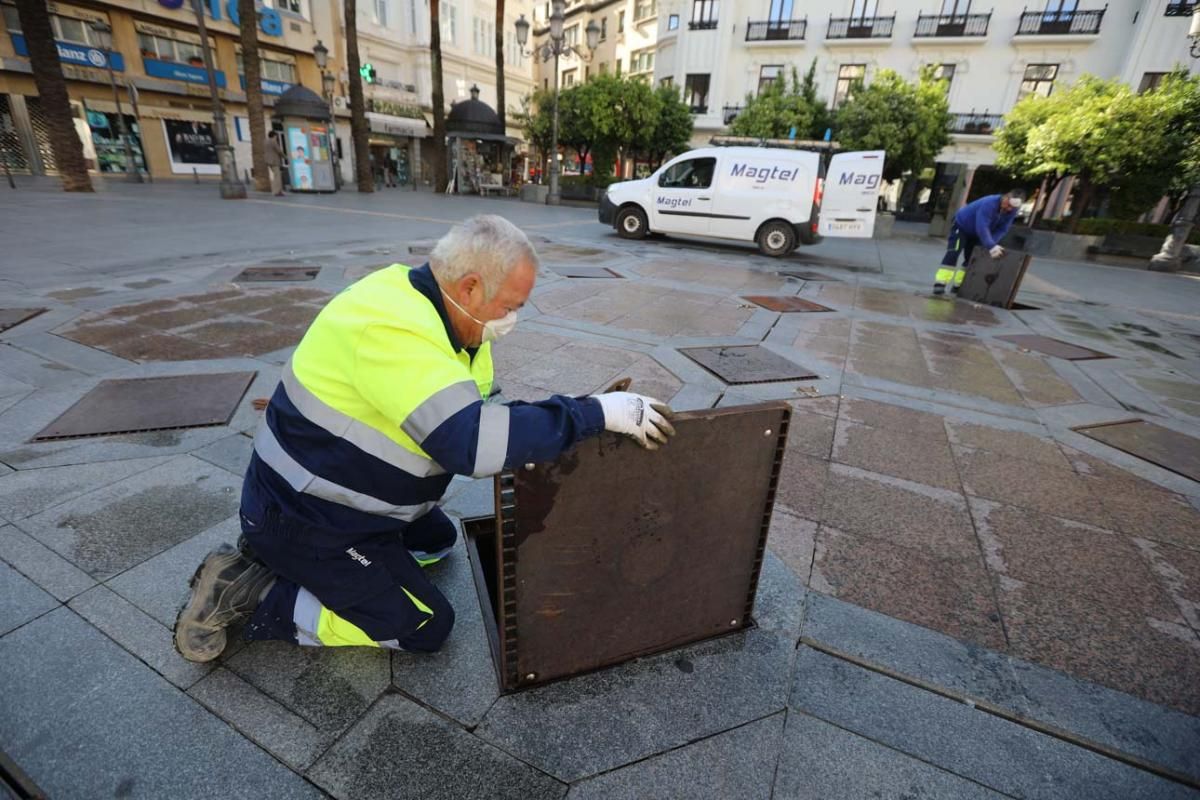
column 488, row 245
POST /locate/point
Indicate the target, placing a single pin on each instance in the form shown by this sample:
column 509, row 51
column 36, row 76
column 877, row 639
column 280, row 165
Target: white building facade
column 628, row 31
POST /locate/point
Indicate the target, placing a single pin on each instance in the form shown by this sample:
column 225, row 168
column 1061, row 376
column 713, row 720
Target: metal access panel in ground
column 994, row 281
column 614, row 552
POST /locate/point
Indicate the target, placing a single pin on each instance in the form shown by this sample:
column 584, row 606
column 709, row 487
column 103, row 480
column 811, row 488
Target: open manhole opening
column 12, row 317
column 420, row 249
column 1015, row 306
column 805, row 275
column 1054, row 347
column 277, row 274
column 747, row 364
column 586, row 272
column 1161, row 446
column 139, row 405
column 785, row 304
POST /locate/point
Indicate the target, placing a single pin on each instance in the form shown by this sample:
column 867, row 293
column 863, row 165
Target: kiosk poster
column 300, row 157
column 191, row 147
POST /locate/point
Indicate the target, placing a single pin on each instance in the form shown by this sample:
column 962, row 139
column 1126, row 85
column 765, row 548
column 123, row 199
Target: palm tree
column 248, row 23
column 52, row 91
column 438, row 156
column 358, row 114
column 500, row 64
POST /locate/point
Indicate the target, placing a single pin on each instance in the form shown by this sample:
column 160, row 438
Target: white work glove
column 645, row 419
column 996, row 251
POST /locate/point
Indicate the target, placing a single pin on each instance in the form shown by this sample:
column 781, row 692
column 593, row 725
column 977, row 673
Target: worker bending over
column 383, row 401
column 985, row 222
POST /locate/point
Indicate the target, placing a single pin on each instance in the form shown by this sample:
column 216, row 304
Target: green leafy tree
column 673, row 127
column 782, row 106
column 533, row 117
column 910, row 121
column 636, row 112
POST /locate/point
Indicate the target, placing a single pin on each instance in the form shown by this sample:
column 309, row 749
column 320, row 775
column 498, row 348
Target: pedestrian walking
column 275, row 163
column 985, row 222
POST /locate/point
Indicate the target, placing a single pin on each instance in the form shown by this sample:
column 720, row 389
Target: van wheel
column 631, row 223
column 776, row 238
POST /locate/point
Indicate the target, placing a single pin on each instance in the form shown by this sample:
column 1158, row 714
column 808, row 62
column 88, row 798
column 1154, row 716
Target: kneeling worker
column 985, row 222
column 382, row 402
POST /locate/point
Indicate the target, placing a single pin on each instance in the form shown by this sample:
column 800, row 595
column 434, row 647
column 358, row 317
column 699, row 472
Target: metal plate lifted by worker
column 612, row 552
column 994, row 281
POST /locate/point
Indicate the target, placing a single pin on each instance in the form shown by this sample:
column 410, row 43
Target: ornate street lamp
column 556, row 47
column 321, row 55
column 232, row 187
column 103, row 33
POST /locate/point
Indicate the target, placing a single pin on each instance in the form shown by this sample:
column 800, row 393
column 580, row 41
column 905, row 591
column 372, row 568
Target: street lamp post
column 232, row 187
column 1170, row 257
column 103, row 33
column 555, row 48
column 321, row 54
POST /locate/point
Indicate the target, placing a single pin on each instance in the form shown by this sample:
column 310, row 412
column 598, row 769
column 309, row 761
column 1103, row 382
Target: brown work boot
column 227, row 587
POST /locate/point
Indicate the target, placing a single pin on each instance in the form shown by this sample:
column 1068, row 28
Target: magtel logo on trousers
column 359, row 557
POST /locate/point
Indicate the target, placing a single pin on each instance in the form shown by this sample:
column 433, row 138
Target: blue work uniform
column 978, row 223
column 379, row 406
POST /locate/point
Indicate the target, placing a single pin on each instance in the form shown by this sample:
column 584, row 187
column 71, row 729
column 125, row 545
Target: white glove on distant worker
column 996, row 251
column 645, row 419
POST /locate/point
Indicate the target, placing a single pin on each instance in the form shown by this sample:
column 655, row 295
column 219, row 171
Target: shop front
column 395, row 148
column 482, row 157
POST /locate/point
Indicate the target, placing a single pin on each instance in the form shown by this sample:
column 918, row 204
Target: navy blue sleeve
column 537, row 432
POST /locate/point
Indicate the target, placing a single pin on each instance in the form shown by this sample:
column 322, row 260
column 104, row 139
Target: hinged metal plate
column 747, row 364
column 614, row 552
column 785, row 304
column 12, row 317
column 135, row 405
column 277, row 274
column 586, row 272
column 1054, row 347
column 806, row 275
column 1169, row 449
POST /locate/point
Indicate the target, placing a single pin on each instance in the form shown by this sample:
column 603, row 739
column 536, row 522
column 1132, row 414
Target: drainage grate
column 1169, row 449
column 747, row 364
column 1054, row 347
column 277, row 274
column 785, row 304
column 12, row 317
column 808, row 276
column 586, row 272
column 136, row 405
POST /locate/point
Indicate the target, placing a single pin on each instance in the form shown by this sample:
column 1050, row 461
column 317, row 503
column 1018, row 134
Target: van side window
column 695, row 173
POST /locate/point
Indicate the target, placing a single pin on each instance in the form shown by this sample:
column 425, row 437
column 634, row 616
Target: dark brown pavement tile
column 810, row 434
column 1143, row 509
column 892, row 417
column 951, row 596
column 1011, row 443
column 922, row 459
column 1028, row 484
column 801, row 485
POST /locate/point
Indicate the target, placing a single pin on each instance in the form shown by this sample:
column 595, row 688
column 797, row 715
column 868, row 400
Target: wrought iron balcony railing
column 1183, row 9
column 983, row 124
column 930, row 25
column 860, row 27
column 776, row 30
column 1058, row 23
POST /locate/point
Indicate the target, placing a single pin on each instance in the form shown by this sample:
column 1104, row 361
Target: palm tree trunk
column 248, row 23
column 500, row 104
column 438, row 156
column 358, row 111
column 52, row 90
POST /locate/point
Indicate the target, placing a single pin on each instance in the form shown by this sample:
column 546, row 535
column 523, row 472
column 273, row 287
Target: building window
column 944, row 72
column 955, row 8
column 781, row 11
column 381, row 13
column 571, row 35
column 603, row 68
column 603, row 28
column 620, row 22
column 66, row 29
column 767, row 75
column 641, row 61
column 849, row 76
column 587, row 72
column 667, row 81
column 695, row 93
column 291, row 6
column 484, row 36
column 449, row 23
column 617, row 67
column 704, row 14
column 1060, row 7
column 1151, row 81
column 644, row 9
column 569, row 77
column 163, row 49
column 272, row 69
column 862, row 9
column 1039, row 79
column 673, row 22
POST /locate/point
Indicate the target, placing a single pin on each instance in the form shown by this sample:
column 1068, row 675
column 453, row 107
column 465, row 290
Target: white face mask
column 492, row 329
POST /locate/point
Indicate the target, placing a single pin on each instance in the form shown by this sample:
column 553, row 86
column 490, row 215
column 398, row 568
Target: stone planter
column 884, row 224
column 1051, row 244
column 534, row 193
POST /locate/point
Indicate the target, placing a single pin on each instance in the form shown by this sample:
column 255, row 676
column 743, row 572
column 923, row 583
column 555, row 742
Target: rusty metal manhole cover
column 1169, row 449
column 276, row 274
column 785, row 304
column 135, row 405
column 586, row 272
column 1054, row 347
column 747, row 364
column 805, row 275
column 12, row 317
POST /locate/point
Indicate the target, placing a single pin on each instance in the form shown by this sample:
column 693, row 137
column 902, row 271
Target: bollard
column 195, row 175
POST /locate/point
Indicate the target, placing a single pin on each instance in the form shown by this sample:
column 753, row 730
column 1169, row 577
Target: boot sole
column 192, row 581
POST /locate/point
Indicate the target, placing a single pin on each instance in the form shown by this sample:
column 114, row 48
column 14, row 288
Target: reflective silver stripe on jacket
column 358, row 433
column 492, row 446
column 272, row 453
column 439, row 407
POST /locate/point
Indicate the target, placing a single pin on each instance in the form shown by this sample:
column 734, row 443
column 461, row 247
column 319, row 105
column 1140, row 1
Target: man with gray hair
column 383, row 401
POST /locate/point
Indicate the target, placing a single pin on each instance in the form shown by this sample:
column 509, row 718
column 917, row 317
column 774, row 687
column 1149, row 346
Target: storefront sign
column 268, row 86
column 180, row 72
column 396, row 126
column 70, row 53
column 190, row 146
column 269, row 20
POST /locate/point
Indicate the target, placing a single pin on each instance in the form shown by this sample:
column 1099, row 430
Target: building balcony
column 859, row 28
column 703, row 25
column 1184, row 9
column 952, row 25
column 1061, row 23
column 776, row 30
column 984, row 124
column 729, row 113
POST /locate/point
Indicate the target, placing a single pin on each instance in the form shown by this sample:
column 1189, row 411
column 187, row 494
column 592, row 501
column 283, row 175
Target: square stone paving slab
column 915, row 458
column 1164, row 447
column 12, row 317
column 1054, row 347
column 20, row 599
column 106, row 725
column 400, row 749
column 1006, row 442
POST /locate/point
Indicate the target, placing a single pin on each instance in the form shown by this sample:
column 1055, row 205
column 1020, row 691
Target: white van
column 777, row 198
